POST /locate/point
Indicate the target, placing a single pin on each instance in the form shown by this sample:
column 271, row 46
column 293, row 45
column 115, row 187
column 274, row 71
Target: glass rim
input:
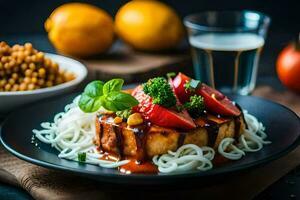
column 187, row 20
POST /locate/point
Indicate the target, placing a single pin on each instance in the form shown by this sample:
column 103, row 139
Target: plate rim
column 190, row 174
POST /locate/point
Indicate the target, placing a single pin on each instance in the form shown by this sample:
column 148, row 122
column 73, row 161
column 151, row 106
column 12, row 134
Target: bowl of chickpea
column 28, row 75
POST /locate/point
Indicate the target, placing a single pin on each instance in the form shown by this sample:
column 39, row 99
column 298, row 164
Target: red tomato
column 159, row 115
column 214, row 100
column 288, row 67
column 217, row 102
column 178, row 85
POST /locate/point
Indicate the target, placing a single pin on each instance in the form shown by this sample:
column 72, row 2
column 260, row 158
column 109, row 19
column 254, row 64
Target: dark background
column 27, row 16
column 22, row 21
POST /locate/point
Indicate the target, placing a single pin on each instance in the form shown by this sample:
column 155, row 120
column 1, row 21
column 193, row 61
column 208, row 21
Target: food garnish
column 192, row 85
column 160, row 91
column 82, row 157
column 108, row 95
column 195, row 106
column 124, row 114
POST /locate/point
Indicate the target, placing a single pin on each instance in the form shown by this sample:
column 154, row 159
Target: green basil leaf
column 94, row 89
column 88, row 103
column 113, row 85
column 116, row 101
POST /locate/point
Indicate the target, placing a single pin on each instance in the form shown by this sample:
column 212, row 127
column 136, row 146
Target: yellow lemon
column 79, row 29
column 148, row 25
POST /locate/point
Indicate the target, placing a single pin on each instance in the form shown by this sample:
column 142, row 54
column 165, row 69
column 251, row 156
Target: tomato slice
column 217, row 102
column 159, row 115
column 178, row 84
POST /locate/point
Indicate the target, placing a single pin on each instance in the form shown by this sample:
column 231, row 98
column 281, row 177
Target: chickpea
column 15, row 76
column 27, row 53
column 12, row 63
column 15, row 87
column 69, row 76
column 16, row 47
column 34, row 74
column 23, row 87
column 3, row 82
column 28, row 46
column 118, row 120
column 40, row 56
column 51, row 77
column 21, row 55
column 4, row 59
column 31, row 86
column 33, row 58
column 27, row 59
column 59, row 80
column 135, row 119
column 34, row 80
column 32, row 66
column 49, row 84
column 28, row 72
column 7, row 87
column 41, row 82
column 6, row 66
column 42, row 72
column 54, row 66
column 11, row 81
column 24, row 66
column 27, row 80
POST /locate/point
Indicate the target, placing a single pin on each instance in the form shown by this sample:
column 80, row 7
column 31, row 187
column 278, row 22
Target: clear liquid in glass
column 227, row 61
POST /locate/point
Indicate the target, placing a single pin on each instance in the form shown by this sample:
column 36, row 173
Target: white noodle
column 251, row 140
column 71, row 133
column 186, row 158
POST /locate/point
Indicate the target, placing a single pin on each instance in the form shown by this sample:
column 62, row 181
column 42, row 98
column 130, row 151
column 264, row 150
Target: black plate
column 282, row 125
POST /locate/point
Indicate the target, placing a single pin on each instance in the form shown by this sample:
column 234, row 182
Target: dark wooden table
column 285, row 188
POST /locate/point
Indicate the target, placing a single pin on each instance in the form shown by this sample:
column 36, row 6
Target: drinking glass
column 226, row 47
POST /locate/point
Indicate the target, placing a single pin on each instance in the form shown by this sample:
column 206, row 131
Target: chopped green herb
column 82, row 157
column 192, row 85
column 108, row 95
column 124, row 113
column 160, row 91
column 171, row 74
column 195, row 106
column 179, row 108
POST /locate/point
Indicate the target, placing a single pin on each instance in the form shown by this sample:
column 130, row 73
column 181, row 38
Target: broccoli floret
column 195, row 106
column 160, row 91
column 124, row 114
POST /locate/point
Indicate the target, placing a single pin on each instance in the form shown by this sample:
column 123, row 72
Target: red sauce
column 135, row 167
column 219, row 160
